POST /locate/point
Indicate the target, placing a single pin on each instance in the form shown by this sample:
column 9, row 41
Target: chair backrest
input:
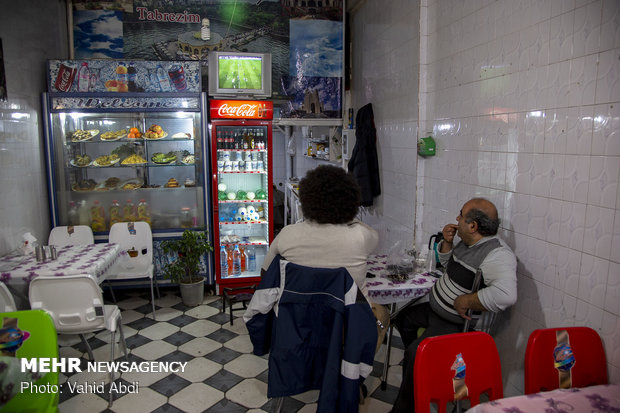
column 434, row 369
column 39, row 341
column 7, row 303
column 312, row 322
column 73, row 301
column 589, row 366
column 136, row 235
column 75, row 235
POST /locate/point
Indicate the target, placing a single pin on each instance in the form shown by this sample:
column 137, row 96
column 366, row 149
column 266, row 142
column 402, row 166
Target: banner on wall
column 304, row 38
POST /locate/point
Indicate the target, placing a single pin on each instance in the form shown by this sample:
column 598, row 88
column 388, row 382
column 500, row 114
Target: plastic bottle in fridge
column 251, row 254
column 223, row 261
column 144, row 212
column 83, row 78
column 129, row 212
column 97, row 217
column 83, row 214
column 229, row 260
column 115, row 213
column 195, row 216
column 72, row 214
column 243, row 258
column 236, row 270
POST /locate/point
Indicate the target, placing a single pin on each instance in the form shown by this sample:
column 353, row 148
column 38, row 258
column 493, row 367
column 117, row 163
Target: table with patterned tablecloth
column 16, row 271
column 601, row 398
column 384, row 290
column 388, row 291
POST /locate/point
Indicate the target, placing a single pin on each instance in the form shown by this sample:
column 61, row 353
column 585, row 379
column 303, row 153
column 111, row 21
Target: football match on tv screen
column 235, row 72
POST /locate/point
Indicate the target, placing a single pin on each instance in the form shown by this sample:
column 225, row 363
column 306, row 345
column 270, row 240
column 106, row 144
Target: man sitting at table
column 451, row 297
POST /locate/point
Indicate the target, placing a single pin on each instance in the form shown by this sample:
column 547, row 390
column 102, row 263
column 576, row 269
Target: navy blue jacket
column 321, row 334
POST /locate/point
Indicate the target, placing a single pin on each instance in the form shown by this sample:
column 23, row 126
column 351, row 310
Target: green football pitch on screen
column 240, row 73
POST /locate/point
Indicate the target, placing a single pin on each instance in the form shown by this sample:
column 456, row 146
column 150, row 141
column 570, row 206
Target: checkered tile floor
column 222, row 374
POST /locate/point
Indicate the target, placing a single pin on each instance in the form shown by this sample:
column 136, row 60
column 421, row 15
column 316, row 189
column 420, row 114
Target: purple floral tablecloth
column 602, row 398
column 383, row 290
column 93, row 259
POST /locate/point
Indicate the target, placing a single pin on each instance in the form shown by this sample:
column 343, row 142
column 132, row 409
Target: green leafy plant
column 189, row 248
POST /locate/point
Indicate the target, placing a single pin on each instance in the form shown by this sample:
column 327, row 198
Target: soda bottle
column 72, row 215
column 121, row 78
column 132, row 75
column 83, row 78
column 243, row 258
column 97, row 217
column 144, row 212
column 223, row 261
column 129, row 212
column 162, row 77
column 229, row 260
column 236, row 270
column 220, row 140
column 83, row 215
column 115, row 213
column 251, row 254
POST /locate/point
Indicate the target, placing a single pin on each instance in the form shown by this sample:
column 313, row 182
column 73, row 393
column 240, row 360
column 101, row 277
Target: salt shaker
column 40, row 253
column 53, row 253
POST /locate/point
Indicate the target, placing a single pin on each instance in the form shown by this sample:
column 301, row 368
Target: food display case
column 127, row 146
column 241, row 144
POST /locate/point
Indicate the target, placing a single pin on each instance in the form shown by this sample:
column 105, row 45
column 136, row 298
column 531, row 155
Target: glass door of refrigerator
column 111, row 161
column 243, row 206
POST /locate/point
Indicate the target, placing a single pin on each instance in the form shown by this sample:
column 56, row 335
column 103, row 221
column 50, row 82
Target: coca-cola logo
column 242, row 111
column 65, row 78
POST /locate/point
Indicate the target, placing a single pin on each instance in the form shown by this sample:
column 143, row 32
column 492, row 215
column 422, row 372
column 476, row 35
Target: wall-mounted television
column 239, row 74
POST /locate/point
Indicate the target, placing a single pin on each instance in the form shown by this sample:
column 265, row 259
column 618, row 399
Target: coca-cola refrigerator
column 241, row 164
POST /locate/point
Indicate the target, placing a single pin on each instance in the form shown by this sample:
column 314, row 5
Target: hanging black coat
column 364, row 162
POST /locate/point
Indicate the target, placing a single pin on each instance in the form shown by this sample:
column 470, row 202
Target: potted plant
column 185, row 269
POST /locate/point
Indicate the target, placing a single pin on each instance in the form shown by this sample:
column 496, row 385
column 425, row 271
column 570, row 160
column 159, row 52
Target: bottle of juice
column 229, row 260
column 242, row 257
column 115, row 213
column 97, row 217
column 144, row 212
column 129, row 212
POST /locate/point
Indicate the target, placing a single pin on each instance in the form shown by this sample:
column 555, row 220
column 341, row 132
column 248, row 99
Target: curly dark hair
column 329, row 195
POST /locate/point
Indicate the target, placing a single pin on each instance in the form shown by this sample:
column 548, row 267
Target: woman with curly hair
column 329, row 236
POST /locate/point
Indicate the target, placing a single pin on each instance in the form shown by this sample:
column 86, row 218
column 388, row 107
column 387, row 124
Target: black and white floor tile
column 222, row 374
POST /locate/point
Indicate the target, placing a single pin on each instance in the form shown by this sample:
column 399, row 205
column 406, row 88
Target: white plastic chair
column 7, row 303
column 67, row 235
column 136, row 236
column 75, row 304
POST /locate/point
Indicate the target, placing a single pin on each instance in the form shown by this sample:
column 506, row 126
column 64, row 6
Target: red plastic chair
column 590, row 366
column 433, row 369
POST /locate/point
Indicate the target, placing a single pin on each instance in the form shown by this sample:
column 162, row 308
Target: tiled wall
column 523, row 99
column 23, row 191
column 385, row 66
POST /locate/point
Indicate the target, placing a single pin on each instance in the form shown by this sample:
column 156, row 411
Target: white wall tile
column 610, row 29
column 608, row 77
column 598, row 231
column 606, row 127
column 604, row 179
column 576, row 178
